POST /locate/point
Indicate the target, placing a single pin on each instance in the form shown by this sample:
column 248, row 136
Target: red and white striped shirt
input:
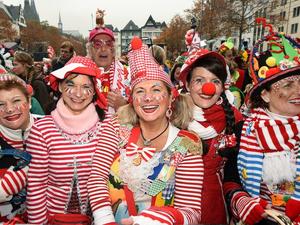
column 52, row 166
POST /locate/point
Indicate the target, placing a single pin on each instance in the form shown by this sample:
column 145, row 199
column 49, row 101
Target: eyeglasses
column 102, row 43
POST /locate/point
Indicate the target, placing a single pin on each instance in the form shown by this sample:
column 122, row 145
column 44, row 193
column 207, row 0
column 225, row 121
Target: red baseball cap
column 101, row 30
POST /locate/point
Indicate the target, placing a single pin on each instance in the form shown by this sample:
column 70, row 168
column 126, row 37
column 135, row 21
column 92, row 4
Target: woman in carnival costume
column 268, row 160
column 215, row 120
column 15, row 123
column 156, row 176
column 63, row 143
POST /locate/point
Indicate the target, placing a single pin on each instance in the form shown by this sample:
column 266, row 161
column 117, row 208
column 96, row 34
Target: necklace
column 147, row 142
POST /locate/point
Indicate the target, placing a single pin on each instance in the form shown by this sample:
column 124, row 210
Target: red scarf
column 215, row 117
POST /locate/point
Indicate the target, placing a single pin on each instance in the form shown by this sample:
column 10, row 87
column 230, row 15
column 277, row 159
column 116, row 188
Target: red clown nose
column 208, row 88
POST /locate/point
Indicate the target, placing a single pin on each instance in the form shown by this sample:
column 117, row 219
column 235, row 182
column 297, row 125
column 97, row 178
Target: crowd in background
column 213, row 138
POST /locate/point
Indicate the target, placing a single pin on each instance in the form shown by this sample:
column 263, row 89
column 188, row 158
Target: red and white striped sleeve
column 97, row 184
column 187, row 199
column 37, row 177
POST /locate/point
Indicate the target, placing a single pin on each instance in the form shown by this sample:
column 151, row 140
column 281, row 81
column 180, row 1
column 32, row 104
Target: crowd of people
column 98, row 140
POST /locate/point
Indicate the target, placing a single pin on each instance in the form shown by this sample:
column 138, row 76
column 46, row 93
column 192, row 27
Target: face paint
column 85, row 90
column 285, row 82
column 17, row 106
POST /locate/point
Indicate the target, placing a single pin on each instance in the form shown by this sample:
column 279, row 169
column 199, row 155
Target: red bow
column 146, row 153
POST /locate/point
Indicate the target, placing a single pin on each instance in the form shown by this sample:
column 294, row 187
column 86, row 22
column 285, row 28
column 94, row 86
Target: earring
column 220, row 101
column 169, row 112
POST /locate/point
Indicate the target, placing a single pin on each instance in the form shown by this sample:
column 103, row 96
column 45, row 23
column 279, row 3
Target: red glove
column 14, row 181
column 292, row 209
column 249, row 210
column 297, row 221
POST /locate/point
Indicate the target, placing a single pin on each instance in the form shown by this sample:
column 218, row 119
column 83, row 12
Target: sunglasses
column 102, row 43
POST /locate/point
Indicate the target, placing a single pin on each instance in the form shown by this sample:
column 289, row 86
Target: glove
column 297, row 221
column 14, row 181
column 248, row 209
column 292, row 209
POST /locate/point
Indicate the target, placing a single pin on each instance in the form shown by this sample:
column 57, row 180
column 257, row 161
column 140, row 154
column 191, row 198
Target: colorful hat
column 80, row 65
column 143, row 66
column 100, row 27
column 180, row 60
column 197, row 56
column 227, row 45
column 281, row 59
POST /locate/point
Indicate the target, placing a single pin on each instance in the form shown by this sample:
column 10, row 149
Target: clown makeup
column 201, row 76
column 77, row 92
column 151, row 100
column 288, row 82
column 71, row 89
column 284, row 96
column 156, row 94
column 14, row 109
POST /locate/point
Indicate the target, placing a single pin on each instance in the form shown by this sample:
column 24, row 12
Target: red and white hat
column 196, row 56
column 143, row 66
column 80, row 65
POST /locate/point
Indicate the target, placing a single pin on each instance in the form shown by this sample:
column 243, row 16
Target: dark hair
column 25, row 59
column 213, row 65
column 100, row 112
column 256, row 100
column 172, row 73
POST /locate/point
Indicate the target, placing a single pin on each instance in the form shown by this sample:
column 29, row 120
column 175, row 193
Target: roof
column 152, row 23
column 131, row 26
column 14, row 11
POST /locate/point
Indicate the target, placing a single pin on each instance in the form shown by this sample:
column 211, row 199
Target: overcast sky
column 77, row 14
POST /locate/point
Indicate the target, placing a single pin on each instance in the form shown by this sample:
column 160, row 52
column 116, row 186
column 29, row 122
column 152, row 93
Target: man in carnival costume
column 102, row 51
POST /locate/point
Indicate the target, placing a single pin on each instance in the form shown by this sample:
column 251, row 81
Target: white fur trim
column 278, row 167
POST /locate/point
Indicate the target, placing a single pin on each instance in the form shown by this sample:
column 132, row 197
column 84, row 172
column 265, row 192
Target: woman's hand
column 127, row 221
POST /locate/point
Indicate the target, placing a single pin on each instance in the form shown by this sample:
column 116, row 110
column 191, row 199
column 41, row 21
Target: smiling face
column 284, row 96
column 199, row 77
column 14, row 109
column 151, row 100
column 77, row 92
column 103, row 51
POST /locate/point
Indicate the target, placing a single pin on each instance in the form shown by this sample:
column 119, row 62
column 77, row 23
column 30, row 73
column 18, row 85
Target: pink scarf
column 74, row 124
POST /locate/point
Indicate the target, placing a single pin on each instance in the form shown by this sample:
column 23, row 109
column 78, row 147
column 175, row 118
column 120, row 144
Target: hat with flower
column 273, row 58
column 80, row 65
column 143, row 66
column 100, row 27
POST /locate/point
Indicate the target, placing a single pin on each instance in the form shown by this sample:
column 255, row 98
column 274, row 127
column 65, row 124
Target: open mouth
column 207, row 97
column 295, row 101
column 13, row 117
column 149, row 108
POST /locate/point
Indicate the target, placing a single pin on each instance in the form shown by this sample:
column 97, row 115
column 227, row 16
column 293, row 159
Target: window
column 283, row 2
column 294, row 28
column 282, row 15
column 296, row 11
column 281, row 29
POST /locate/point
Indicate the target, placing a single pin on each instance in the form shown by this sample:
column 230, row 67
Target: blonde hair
column 158, row 54
column 180, row 118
